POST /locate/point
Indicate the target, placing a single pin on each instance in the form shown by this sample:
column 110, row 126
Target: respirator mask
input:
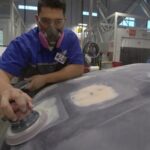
column 51, row 37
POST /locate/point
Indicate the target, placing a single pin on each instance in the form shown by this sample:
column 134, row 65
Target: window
column 128, row 22
column 1, row 37
column 148, row 24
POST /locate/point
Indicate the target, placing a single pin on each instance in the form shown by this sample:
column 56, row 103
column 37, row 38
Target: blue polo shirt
column 26, row 51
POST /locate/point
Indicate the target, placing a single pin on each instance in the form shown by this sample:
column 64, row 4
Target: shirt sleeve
column 15, row 57
column 75, row 55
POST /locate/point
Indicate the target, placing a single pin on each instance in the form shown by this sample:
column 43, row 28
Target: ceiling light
column 82, row 24
column 27, row 7
column 86, row 13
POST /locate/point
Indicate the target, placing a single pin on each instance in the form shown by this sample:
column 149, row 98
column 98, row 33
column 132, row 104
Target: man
column 44, row 55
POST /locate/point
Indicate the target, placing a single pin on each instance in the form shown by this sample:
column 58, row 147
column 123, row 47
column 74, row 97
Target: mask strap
column 43, row 40
column 60, row 40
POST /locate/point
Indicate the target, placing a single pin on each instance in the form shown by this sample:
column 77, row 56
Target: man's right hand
column 22, row 101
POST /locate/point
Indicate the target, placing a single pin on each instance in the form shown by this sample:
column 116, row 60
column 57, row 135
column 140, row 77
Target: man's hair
column 59, row 4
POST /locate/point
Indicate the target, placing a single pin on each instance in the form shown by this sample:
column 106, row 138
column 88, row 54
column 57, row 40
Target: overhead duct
column 147, row 1
column 146, row 8
column 130, row 9
column 102, row 10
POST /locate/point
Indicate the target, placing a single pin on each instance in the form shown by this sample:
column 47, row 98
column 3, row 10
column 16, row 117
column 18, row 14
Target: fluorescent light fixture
column 130, row 18
column 27, row 7
column 82, row 24
column 94, row 14
column 86, row 13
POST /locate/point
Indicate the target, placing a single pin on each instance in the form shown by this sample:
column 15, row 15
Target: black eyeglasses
column 56, row 22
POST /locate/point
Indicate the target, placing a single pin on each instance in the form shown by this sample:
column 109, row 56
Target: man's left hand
column 36, row 82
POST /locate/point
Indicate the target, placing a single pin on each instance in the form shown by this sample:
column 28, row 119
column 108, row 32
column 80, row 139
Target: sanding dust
column 21, row 137
column 48, row 114
column 93, row 94
column 50, row 107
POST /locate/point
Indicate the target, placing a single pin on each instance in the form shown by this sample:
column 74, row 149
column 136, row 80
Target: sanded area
column 93, row 94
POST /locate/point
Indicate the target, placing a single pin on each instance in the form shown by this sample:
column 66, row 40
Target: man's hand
column 68, row 72
column 22, row 101
column 36, row 82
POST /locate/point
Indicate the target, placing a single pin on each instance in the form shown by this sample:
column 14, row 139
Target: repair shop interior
column 105, row 107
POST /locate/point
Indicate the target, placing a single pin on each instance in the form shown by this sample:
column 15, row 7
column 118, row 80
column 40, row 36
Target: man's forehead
column 47, row 11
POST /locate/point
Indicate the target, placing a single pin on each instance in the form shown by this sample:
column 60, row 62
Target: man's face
column 50, row 17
